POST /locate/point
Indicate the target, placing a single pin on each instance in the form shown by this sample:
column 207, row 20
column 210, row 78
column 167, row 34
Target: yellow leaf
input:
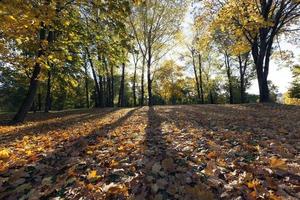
column 19, row 41
column 28, row 152
column 69, row 58
column 113, row 163
column 12, row 17
column 253, row 184
column 93, row 175
column 212, row 155
column 89, row 152
column 121, row 148
column 277, row 163
column 4, row 154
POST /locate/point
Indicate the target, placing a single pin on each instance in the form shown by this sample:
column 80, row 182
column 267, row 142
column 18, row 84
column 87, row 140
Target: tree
column 294, row 91
column 259, row 23
column 154, row 27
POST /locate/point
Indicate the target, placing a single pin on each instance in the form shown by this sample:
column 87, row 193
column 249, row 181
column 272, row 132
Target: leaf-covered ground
column 165, row 152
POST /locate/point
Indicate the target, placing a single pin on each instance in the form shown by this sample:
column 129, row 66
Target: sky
column 279, row 75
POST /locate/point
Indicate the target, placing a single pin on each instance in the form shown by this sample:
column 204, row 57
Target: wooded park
column 150, row 99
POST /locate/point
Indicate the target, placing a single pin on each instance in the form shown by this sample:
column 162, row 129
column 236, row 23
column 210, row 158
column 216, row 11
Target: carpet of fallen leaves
column 164, row 152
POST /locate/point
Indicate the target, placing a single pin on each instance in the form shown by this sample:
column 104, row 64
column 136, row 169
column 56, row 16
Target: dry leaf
column 277, row 163
column 4, row 154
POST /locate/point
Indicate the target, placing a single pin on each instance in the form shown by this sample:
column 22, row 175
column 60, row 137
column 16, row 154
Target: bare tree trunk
column 262, row 60
column 150, row 102
column 142, row 82
column 48, row 95
column 200, row 78
column 134, row 79
column 25, row 107
column 211, row 97
column 112, row 86
column 196, row 77
column 40, row 101
column 228, row 71
column 121, row 102
column 97, row 90
column 87, row 98
column 242, row 69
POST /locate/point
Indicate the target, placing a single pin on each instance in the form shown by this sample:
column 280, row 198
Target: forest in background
column 67, row 54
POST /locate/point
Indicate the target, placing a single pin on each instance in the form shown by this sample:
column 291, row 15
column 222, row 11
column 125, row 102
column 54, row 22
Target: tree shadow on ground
column 167, row 174
column 60, row 122
column 56, row 165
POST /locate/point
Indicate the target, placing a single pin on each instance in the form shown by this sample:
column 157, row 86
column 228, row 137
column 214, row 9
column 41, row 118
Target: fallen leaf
column 4, row 154
column 277, row 163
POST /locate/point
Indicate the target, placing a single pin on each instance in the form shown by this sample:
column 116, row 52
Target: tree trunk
column 261, row 52
column 211, row 97
column 228, row 71
column 142, row 82
column 48, row 95
column 25, row 107
column 40, row 101
column 87, row 98
column 97, row 90
column 196, row 77
column 150, row 102
column 112, row 86
column 121, row 102
column 101, row 100
column 134, row 84
column 242, row 68
column 200, row 77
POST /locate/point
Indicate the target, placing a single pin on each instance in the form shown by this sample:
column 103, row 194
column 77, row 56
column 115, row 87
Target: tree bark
column 121, row 102
column 228, row 71
column 242, row 69
column 112, row 86
column 200, row 78
column 196, row 77
column 40, row 101
column 142, row 82
column 134, row 80
column 97, row 90
column 150, row 102
column 48, row 95
column 87, row 98
column 25, row 107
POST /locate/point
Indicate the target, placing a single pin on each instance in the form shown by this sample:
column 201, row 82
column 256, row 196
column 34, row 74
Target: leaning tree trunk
column 121, row 102
column 200, row 78
column 25, row 107
column 48, row 95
